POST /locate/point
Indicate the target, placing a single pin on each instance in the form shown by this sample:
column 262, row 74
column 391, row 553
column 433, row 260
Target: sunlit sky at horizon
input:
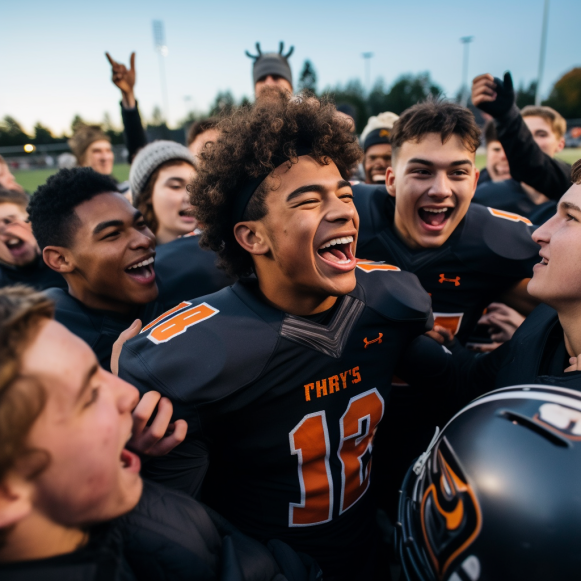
column 53, row 63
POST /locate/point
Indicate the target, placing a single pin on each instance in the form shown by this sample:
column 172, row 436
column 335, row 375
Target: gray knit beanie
column 150, row 158
column 271, row 63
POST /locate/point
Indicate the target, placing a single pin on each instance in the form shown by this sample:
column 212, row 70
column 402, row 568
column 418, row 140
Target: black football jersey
column 489, row 251
column 184, row 271
column 37, row 275
column 282, row 410
column 98, row 328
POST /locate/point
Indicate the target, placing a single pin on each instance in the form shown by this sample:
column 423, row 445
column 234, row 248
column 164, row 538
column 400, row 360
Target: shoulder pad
column 497, row 242
column 201, row 350
column 370, row 202
column 394, row 293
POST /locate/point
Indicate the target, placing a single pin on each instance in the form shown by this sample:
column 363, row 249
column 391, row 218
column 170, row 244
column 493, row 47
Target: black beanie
column 271, row 63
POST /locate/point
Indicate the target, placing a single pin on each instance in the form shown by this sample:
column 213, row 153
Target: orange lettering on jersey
column 450, row 321
column 373, row 266
column 376, row 340
column 443, row 279
column 181, row 322
column 329, row 385
column 166, row 314
column 509, row 216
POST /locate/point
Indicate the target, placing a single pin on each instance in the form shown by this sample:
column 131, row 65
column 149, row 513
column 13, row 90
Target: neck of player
column 37, row 537
column 292, row 298
column 570, row 319
column 100, row 302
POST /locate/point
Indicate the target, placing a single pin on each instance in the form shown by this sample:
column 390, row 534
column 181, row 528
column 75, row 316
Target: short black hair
column 490, row 132
column 52, row 208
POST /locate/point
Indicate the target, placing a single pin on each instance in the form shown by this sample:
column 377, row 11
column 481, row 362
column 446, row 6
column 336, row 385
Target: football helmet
column 497, row 495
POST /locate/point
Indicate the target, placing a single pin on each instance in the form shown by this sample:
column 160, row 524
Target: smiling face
column 496, row 162
column 304, row 248
column 171, row 202
column 109, row 264
column 272, row 81
column 433, row 184
column 18, row 246
column 377, row 159
column 549, row 142
column 99, row 156
column 557, row 277
column 84, row 427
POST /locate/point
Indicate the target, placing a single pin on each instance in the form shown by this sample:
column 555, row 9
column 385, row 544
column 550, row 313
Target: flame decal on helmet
column 450, row 514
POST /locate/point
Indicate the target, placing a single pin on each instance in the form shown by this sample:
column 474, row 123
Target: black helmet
column 497, row 495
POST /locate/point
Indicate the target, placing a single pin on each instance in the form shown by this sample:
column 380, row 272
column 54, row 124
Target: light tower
column 367, row 57
column 163, row 51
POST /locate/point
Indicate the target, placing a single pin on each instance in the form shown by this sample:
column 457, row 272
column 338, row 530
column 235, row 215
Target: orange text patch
column 332, row 384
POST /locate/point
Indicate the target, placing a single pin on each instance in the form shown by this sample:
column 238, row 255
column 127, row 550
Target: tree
column 352, row 94
column 11, row 133
column 308, row 78
column 77, row 122
column 407, row 91
column 565, row 96
column 224, row 104
column 157, row 117
column 524, row 96
column 42, row 135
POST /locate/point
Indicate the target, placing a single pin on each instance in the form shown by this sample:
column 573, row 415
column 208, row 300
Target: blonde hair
column 554, row 119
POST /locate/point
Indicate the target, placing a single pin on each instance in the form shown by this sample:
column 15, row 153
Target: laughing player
column 284, row 378
column 99, row 242
column 465, row 256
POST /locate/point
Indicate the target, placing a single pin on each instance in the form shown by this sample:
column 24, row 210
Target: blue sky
column 53, row 62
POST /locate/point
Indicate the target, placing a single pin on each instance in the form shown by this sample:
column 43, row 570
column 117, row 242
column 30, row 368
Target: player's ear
column 561, row 144
column 251, row 237
column 15, row 499
column 390, row 181
column 58, row 258
column 476, row 176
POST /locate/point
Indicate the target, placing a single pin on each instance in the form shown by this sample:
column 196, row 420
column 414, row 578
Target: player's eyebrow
column 115, row 223
column 431, row 163
column 87, row 380
column 570, row 206
column 315, row 188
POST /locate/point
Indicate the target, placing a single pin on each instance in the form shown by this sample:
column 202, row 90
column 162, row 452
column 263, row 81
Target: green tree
column 565, row 96
column 11, row 132
column 43, row 135
column 526, row 96
column 223, row 104
column 308, row 78
column 77, row 122
column 406, row 91
column 353, row 94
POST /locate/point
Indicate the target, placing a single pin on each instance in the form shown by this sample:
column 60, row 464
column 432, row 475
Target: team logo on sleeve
column 163, row 329
column 370, row 266
column 450, row 514
column 509, row 216
column 450, row 321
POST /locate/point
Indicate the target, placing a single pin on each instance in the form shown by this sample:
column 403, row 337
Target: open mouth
column 338, row 251
column 129, row 461
column 143, row 272
column 378, row 177
column 433, row 218
column 544, row 260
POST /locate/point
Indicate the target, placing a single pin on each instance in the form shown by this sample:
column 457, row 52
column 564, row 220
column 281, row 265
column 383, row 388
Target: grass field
column 31, row 179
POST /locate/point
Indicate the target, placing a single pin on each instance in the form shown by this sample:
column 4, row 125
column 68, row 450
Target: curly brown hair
column 576, row 172
column 250, row 142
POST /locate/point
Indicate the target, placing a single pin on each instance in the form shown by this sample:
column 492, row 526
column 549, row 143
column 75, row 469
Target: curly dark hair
column 436, row 116
column 51, row 210
column 250, row 142
column 576, row 172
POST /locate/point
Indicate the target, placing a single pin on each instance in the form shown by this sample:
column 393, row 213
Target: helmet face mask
column 496, row 496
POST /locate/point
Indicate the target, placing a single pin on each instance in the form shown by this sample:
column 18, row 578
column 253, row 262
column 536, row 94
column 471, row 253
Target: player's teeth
column 343, row 240
column 435, row 210
column 142, row 263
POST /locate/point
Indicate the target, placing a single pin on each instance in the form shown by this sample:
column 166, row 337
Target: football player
column 20, row 259
column 100, row 244
column 285, row 377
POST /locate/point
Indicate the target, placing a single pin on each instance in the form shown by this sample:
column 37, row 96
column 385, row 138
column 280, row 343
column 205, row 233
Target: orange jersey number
column 309, row 440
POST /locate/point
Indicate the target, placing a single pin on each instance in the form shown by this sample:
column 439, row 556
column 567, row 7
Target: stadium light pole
column 465, row 40
column 367, row 56
column 163, row 51
column 543, row 51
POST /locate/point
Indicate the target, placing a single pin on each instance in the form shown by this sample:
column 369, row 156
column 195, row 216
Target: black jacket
column 135, row 137
column 528, row 164
column 37, row 275
column 168, row 537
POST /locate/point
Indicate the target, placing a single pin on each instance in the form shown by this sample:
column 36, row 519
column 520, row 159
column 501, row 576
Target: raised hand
column 159, row 436
column 492, row 95
column 129, row 333
column 124, row 78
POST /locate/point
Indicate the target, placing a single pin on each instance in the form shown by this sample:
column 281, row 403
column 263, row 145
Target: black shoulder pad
column 497, row 242
column 201, row 350
column 394, row 293
column 370, row 202
column 69, row 313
